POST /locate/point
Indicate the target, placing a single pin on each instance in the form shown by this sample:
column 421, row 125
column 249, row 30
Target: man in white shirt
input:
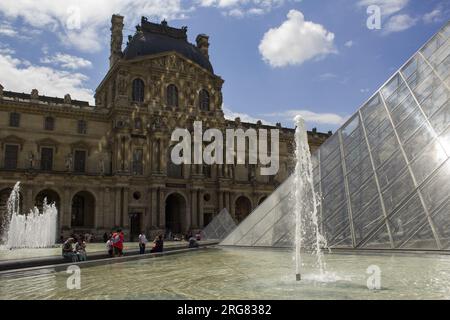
column 142, row 242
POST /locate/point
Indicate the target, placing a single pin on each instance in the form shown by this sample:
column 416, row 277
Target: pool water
column 238, row 273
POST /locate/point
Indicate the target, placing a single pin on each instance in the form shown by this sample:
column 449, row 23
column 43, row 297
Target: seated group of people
column 74, row 254
column 158, row 243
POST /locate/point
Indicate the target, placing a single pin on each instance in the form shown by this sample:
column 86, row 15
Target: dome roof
column 152, row 38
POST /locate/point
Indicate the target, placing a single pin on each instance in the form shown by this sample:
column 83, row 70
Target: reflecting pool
column 236, row 273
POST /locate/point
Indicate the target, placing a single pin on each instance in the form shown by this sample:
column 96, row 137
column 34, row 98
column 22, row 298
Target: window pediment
column 80, row 145
column 48, row 142
column 12, row 139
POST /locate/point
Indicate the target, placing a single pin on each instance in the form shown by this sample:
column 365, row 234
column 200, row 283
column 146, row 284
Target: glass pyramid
column 220, row 226
column 384, row 176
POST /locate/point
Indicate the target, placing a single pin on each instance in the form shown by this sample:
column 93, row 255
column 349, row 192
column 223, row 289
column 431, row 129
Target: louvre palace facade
column 108, row 165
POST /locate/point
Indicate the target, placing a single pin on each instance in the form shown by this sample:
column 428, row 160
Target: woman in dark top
column 158, row 244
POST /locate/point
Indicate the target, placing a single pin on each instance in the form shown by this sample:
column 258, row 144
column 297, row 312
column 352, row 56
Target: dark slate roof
column 152, row 38
column 50, row 100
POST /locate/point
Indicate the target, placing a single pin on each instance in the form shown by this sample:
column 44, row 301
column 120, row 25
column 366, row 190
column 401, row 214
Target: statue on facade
column 31, row 159
column 67, row 99
column 69, row 161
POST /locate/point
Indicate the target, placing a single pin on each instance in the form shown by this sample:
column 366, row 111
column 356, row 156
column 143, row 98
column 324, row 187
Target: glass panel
column 328, row 147
column 331, row 180
column 435, row 100
column 363, row 197
column 332, row 201
column 404, row 109
column 385, row 150
column 441, row 222
column 443, row 68
column 380, row 240
column 330, row 163
column 367, row 221
column 375, row 118
column 357, row 177
column 344, row 239
column 406, row 220
column 418, row 142
column 393, row 195
column 410, row 125
column 431, row 158
column 380, row 133
column 398, row 96
column 438, row 189
column 441, row 119
column 426, row 88
column 391, row 86
column 423, row 239
column 432, row 46
column 358, row 154
column 335, row 223
column 348, row 129
column 391, row 169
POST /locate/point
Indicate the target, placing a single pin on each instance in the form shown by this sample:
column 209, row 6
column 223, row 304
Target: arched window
column 138, row 123
column 203, row 100
column 138, row 90
column 172, row 96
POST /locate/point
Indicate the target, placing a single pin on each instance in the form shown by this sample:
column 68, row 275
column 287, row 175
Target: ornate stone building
column 108, row 165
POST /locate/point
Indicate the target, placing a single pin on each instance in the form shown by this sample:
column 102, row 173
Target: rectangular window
column 82, row 127
column 14, row 119
column 49, row 123
column 80, row 161
column 47, row 159
column 11, row 156
column 138, row 166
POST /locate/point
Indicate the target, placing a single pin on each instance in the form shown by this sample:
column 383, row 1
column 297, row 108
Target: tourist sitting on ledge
column 193, row 243
column 67, row 250
column 80, row 249
column 158, row 244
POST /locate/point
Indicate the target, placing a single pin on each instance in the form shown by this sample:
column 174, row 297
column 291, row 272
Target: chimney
column 1, row 91
column 203, row 44
column 116, row 39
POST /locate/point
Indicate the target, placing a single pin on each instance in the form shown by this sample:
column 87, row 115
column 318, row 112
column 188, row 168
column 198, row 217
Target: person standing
column 142, row 242
column 118, row 243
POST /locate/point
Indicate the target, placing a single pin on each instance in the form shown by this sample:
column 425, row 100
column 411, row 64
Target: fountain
column 307, row 235
column 34, row 230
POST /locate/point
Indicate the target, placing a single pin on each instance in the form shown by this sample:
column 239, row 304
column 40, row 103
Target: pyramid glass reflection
column 384, row 176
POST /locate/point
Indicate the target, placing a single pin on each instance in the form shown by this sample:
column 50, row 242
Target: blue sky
column 277, row 57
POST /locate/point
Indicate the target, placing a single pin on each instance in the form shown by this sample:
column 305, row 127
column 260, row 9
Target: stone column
column 154, row 207
column 117, row 208
column 66, row 206
column 220, row 196
column 162, row 209
column 200, row 209
column 125, row 218
column 194, row 209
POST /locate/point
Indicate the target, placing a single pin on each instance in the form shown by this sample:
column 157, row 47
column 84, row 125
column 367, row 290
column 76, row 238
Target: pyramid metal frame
column 384, row 176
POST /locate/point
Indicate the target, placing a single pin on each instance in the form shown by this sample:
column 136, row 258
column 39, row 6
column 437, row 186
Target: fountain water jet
column 307, row 235
column 34, row 230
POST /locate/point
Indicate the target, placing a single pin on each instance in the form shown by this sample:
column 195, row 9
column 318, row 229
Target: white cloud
column 296, row 41
column 388, row 7
column 399, row 23
column 433, row 16
column 22, row 76
column 327, row 76
column 349, row 44
column 67, row 61
column 364, row 90
column 7, row 30
column 231, row 115
column 241, row 8
column 84, row 24
column 330, row 119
